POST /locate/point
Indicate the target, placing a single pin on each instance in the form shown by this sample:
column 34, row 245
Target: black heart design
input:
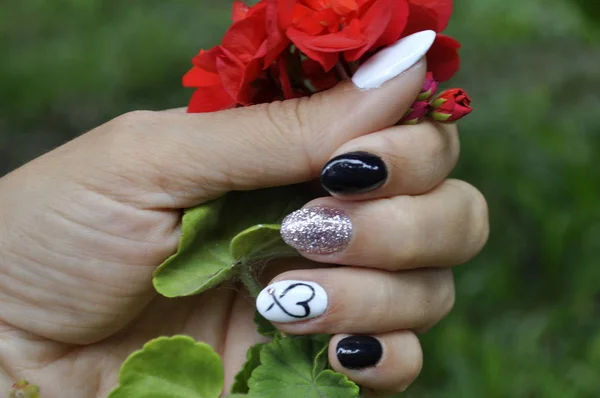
column 303, row 304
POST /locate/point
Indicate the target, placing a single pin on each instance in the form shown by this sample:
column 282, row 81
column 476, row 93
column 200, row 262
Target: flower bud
column 450, row 105
column 429, row 88
column 417, row 112
column 22, row 389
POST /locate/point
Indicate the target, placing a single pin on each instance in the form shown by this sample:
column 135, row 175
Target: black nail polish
column 358, row 352
column 353, row 173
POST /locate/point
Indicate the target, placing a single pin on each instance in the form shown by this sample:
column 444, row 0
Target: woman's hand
column 83, row 227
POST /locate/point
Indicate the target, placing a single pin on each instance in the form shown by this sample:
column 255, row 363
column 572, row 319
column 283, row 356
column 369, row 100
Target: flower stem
column 341, row 70
column 249, row 280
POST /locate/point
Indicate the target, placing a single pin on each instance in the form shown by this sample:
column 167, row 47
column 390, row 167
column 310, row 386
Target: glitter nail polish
column 317, row 230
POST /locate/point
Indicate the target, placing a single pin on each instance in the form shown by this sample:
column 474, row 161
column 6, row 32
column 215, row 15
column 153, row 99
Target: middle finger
column 444, row 227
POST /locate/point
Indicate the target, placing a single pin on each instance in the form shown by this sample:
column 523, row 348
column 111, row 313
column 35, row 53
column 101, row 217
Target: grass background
column 527, row 319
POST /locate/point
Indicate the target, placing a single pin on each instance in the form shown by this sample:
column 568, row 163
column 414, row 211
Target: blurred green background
column 527, row 318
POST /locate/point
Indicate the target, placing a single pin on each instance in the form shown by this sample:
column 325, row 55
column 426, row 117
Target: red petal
column 207, row 60
column 333, row 42
column 442, row 59
column 343, row 7
column 311, row 22
column 277, row 42
column 237, row 77
column 326, row 59
column 315, row 5
column 428, row 15
column 197, row 77
column 373, row 24
column 285, row 10
column 244, row 38
column 443, row 9
column 398, row 20
column 284, row 79
column 239, row 11
column 210, row 99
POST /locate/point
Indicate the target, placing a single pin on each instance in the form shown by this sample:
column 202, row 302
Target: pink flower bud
column 429, row 88
column 450, row 105
column 416, row 113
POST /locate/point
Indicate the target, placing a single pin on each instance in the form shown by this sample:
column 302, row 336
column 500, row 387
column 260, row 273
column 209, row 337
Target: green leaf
column 171, row 367
column 288, row 363
column 240, row 383
column 264, row 327
column 320, row 361
column 260, row 242
column 220, row 236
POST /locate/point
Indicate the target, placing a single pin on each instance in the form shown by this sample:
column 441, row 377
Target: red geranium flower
column 256, row 61
column 323, row 29
column 224, row 75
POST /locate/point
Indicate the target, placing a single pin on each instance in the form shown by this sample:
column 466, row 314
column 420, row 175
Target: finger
column 356, row 300
column 388, row 361
column 444, row 227
column 402, row 160
column 195, row 157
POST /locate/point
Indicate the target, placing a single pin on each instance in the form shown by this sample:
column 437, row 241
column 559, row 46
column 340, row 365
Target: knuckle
column 132, row 121
column 449, row 132
column 339, row 318
column 446, row 292
column 479, row 218
column 413, row 363
column 291, row 125
column 408, row 255
column 128, row 128
column 475, row 217
column 443, row 148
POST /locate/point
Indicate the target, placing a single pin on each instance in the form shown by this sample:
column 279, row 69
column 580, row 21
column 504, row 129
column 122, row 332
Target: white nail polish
column 291, row 301
column 393, row 60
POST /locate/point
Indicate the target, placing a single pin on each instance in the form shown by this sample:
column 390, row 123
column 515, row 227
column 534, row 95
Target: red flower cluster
column 279, row 49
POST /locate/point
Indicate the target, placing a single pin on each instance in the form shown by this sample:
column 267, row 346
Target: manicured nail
column 354, row 172
column 393, row 60
column 317, row 230
column 291, row 301
column 358, row 352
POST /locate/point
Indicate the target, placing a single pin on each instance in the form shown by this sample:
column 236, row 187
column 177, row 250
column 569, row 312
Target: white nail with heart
column 292, row 301
column 393, row 60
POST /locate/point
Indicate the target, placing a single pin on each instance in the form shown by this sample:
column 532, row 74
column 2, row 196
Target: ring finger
column 356, row 300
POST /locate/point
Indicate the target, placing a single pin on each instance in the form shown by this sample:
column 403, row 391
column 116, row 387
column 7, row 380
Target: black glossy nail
column 358, row 352
column 354, row 172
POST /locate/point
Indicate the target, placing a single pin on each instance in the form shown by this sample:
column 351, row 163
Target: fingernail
column 317, row 230
column 291, row 301
column 358, row 352
column 393, row 60
column 354, row 172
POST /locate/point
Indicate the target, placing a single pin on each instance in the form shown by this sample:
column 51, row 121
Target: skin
column 84, row 226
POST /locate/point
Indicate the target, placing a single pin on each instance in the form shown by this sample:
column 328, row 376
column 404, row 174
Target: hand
column 83, row 227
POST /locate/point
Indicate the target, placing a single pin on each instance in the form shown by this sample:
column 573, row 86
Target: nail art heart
column 291, row 301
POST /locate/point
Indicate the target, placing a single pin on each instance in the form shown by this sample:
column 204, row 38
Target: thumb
column 206, row 155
